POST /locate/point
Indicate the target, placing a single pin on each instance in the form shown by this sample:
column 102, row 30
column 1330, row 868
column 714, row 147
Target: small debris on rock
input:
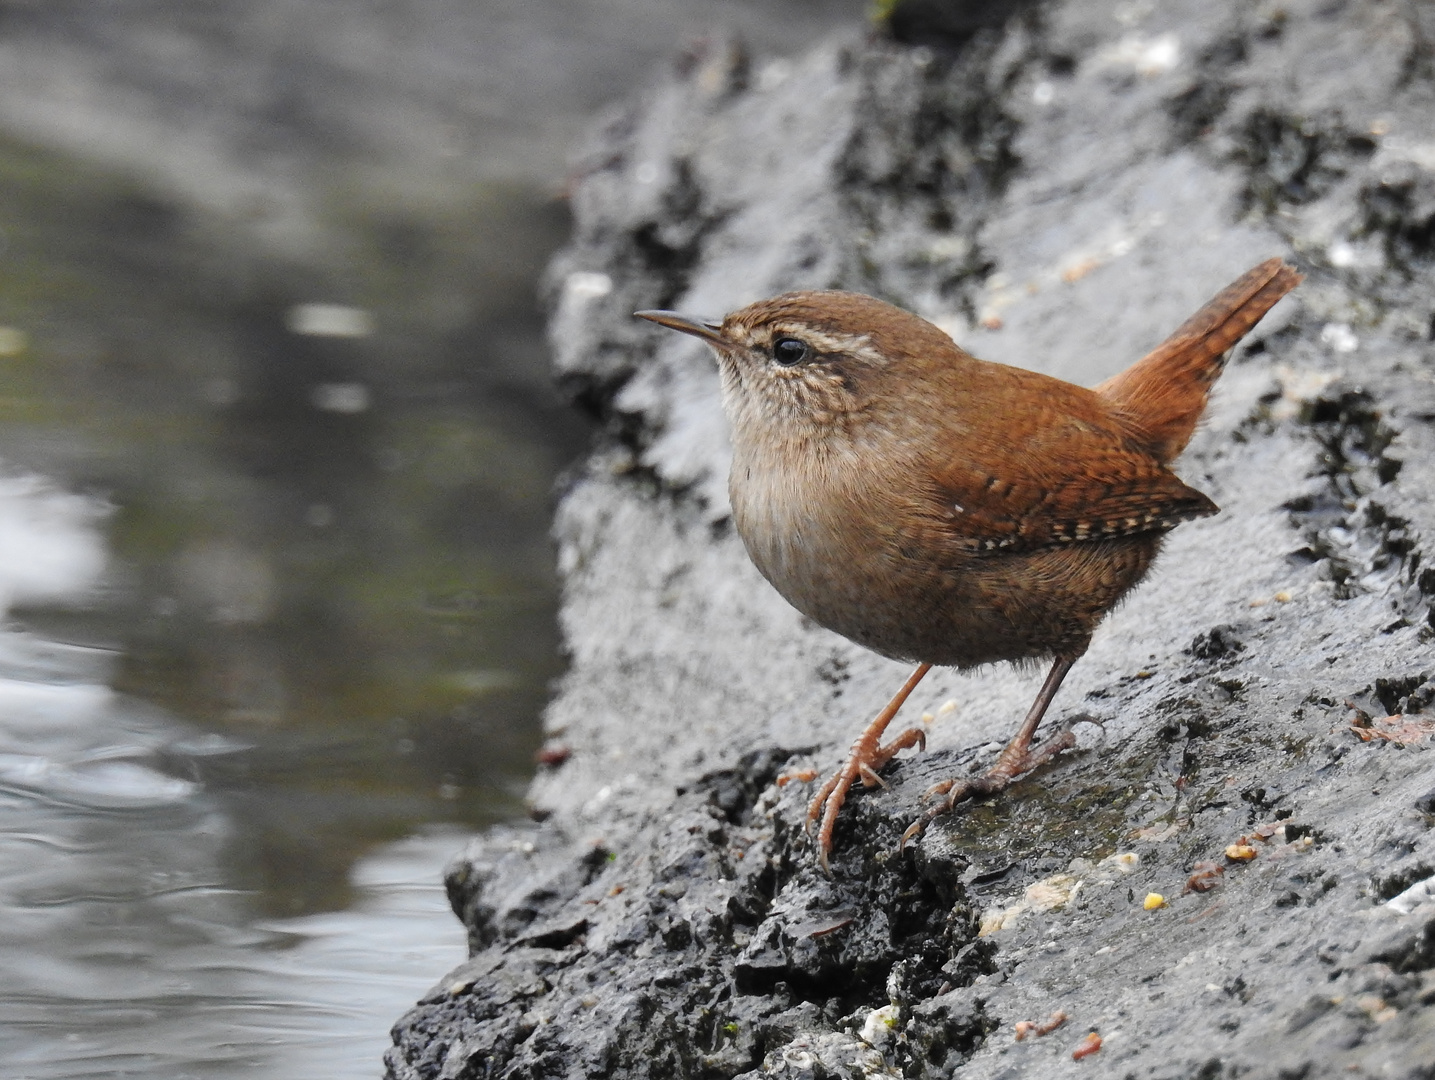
column 1153, row 901
column 802, row 776
column 879, row 1025
column 1124, row 862
column 1058, row 890
column 1205, row 876
column 1087, row 1046
column 815, row 928
column 1376, row 1008
column 1031, row 1027
column 1078, row 271
column 1044, row 895
column 1397, row 728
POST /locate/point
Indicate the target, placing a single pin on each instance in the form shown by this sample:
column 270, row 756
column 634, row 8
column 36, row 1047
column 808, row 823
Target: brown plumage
column 941, row 509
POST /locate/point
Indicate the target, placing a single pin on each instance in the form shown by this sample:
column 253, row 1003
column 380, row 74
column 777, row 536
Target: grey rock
column 1059, row 193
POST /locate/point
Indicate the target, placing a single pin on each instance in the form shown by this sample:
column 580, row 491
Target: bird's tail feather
column 1163, row 394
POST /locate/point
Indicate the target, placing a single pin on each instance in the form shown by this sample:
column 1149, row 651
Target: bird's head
column 812, row 362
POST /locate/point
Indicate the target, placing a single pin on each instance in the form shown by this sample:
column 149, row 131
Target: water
column 276, row 449
column 277, row 639
column 128, row 944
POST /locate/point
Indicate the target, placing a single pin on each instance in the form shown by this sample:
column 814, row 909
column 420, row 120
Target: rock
column 1060, row 193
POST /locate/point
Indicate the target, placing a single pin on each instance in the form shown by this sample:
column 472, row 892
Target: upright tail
column 1163, row 394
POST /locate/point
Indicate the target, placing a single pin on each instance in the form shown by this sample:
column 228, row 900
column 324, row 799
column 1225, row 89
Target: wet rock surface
column 1228, row 877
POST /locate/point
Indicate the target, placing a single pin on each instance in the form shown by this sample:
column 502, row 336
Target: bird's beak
column 707, row 329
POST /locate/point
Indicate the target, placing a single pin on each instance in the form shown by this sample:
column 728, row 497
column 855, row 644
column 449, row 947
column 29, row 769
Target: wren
column 941, row 509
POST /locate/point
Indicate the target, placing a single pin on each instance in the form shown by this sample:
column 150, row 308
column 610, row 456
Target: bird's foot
column 1015, row 760
column 865, row 761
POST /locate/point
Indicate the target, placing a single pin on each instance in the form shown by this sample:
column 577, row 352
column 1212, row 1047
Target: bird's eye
column 789, row 351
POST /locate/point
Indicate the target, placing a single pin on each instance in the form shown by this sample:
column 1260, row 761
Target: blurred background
column 277, row 446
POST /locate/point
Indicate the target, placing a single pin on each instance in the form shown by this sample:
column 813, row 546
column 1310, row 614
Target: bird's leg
column 863, row 763
column 1019, row 755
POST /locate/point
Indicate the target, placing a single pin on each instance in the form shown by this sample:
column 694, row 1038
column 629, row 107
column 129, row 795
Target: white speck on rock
column 1340, row 337
column 587, row 285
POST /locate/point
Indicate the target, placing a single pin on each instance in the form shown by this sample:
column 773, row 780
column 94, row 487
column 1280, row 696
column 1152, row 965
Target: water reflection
column 328, row 517
column 127, row 944
column 300, row 618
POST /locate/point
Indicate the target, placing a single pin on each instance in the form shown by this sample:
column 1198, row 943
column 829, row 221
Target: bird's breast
column 818, row 540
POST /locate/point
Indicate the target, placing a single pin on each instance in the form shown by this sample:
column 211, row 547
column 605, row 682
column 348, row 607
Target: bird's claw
column 862, row 765
column 1008, row 767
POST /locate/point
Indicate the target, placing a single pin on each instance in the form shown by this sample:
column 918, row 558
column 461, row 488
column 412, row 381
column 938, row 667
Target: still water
column 277, row 597
column 279, row 626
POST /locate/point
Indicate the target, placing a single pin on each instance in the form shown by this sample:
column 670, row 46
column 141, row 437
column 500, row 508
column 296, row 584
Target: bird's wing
column 1064, row 486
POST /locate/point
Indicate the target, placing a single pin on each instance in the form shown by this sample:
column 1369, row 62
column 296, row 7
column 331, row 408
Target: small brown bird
column 945, row 510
